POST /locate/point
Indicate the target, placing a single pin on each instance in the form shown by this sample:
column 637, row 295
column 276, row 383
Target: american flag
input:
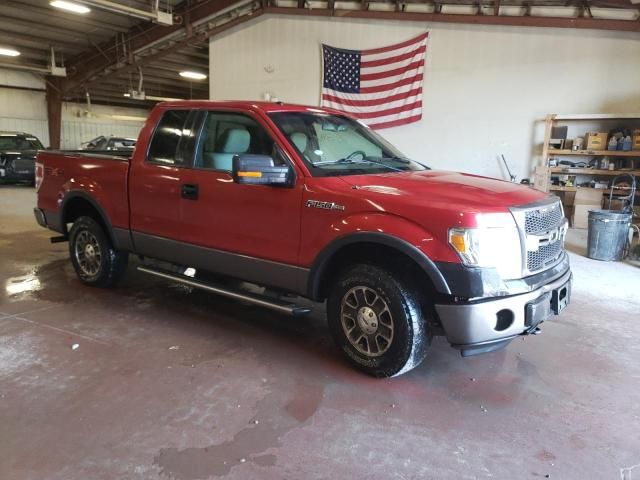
column 380, row 86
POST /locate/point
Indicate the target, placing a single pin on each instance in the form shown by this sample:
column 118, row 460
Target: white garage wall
column 26, row 110
column 486, row 87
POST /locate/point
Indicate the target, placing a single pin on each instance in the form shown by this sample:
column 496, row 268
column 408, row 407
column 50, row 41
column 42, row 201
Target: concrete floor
column 172, row 383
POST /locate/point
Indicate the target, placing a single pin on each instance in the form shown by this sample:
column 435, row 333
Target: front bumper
column 488, row 324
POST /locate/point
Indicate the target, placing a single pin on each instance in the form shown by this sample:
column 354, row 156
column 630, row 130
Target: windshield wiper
column 398, row 159
column 355, row 162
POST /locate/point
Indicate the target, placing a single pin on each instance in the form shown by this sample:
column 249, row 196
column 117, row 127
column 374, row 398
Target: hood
column 436, row 188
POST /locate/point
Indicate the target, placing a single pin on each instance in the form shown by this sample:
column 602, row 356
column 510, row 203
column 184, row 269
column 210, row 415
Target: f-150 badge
column 323, row 205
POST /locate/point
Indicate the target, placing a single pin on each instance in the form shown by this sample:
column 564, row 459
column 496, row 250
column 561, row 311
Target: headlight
column 494, row 243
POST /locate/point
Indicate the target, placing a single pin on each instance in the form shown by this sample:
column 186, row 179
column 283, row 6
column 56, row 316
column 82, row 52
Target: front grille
column 542, row 219
column 543, row 227
column 544, row 256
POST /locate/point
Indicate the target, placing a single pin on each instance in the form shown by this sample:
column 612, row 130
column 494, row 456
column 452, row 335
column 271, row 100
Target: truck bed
column 104, row 175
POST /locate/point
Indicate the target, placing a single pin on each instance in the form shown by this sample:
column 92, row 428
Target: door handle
column 190, row 191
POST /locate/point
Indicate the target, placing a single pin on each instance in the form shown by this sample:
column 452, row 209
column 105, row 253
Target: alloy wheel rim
column 366, row 321
column 88, row 253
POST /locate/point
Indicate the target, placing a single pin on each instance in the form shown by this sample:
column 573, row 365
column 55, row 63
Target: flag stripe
column 396, row 71
column 396, row 46
column 395, row 116
column 396, row 123
column 393, row 59
column 390, row 86
column 391, row 79
column 373, row 102
column 355, row 109
column 389, row 111
column 370, row 96
column 392, row 66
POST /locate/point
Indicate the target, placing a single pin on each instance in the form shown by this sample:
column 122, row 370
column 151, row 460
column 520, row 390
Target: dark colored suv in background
column 18, row 157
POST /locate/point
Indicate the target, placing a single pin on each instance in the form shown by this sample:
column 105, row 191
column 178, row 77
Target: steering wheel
column 352, row 155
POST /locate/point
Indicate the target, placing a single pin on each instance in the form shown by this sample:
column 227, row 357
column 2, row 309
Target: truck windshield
column 10, row 141
column 336, row 145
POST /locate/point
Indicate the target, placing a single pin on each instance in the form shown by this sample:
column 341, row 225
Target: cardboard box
column 567, row 199
column 586, row 199
column 616, row 204
column 569, row 212
column 595, row 140
column 635, row 140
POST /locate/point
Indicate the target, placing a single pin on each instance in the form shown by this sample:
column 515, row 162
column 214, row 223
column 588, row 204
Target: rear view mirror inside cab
column 328, row 126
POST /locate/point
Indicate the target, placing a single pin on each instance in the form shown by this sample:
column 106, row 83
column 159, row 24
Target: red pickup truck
column 307, row 201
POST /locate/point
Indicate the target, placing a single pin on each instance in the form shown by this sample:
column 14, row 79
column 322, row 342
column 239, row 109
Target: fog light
column 504, row 319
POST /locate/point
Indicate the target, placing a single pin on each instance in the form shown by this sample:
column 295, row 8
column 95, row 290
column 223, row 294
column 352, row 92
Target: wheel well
column 81, row 207
column 374, row 254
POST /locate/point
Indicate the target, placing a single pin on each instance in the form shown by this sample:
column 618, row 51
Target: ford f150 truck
column 304, row 201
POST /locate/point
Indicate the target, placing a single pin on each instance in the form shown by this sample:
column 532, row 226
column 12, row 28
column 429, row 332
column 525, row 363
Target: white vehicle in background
column 109, row 143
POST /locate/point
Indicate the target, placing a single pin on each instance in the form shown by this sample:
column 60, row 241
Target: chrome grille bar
column 542, row 230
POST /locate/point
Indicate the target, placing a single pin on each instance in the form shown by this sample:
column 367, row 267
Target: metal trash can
column 608, row 234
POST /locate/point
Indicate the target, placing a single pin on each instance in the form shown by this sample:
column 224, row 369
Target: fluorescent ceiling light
column 69, row 6
column 126, row 94
column 9, row 52
column 193, row 75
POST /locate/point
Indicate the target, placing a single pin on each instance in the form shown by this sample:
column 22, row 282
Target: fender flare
column 85, row 196
column 323, row 259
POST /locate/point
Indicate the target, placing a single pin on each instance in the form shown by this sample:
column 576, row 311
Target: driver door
column 258, row 221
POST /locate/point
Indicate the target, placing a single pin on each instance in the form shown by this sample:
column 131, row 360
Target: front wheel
column 94, row 259
column 377, row 321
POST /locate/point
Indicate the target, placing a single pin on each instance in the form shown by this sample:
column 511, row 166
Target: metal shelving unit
column 544, row 173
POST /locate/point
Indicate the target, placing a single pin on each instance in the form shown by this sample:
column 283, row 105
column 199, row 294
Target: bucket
column 608, row 233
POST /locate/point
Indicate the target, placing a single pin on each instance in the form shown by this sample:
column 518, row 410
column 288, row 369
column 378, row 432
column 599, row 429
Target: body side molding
column 250, row 269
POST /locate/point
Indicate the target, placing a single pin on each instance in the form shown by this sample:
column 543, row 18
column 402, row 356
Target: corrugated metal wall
column 74, row 132
column 26, row 111
column 36, row 127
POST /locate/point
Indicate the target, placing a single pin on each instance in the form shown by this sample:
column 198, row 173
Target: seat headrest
column 235, row 140
column 300, row 140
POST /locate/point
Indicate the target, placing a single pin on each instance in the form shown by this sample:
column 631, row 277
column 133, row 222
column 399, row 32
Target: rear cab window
column 170, row 134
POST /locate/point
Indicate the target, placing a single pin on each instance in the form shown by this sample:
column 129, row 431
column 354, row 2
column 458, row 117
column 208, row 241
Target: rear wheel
column 94, row 259
column 377, row 321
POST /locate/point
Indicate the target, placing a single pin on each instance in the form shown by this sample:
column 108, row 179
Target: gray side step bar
column 256, row 299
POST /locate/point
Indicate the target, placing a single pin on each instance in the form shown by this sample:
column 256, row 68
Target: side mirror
column 260, row 170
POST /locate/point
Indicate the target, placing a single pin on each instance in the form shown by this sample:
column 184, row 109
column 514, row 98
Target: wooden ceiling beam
column 89, row 64
column 508, row 20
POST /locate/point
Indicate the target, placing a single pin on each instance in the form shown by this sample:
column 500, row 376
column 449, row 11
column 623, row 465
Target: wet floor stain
column 277, row 413
column 545, row 456
column 265, row 460
column 305, row 401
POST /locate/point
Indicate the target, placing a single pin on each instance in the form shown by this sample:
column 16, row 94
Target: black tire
column 94, row 259
column 386, row 352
